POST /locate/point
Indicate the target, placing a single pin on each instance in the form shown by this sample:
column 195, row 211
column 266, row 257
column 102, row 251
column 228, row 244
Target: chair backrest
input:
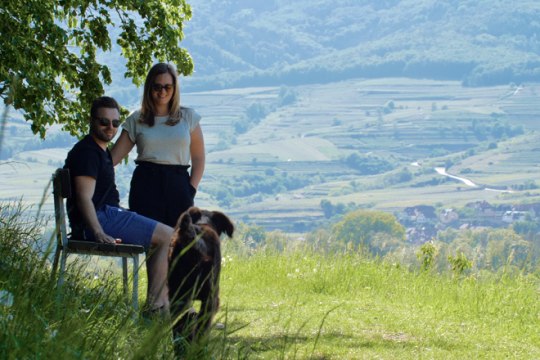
column 61, row 190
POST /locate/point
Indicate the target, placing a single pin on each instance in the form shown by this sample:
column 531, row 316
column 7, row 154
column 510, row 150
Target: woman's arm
column 197, row 156
column 121, row 148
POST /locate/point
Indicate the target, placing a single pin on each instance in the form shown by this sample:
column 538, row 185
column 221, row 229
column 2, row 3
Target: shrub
column 427, row 254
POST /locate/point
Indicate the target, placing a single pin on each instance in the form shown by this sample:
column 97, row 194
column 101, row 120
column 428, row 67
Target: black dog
column 194, row 268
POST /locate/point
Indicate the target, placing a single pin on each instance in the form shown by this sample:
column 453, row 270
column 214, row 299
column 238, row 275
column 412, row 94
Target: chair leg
column 55, row 262
column 135, row 297
column 63, row 259
column 125, row 276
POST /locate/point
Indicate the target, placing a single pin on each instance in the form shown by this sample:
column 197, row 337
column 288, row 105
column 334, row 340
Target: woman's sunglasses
column 158, row 87
column 107, row 122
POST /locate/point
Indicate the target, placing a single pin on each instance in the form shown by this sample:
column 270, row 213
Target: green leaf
column 48, row 50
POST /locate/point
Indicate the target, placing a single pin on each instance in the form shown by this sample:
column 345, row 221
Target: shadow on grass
column 286, row 343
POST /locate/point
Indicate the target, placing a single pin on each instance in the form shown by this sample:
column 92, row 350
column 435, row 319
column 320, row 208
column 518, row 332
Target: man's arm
column 86, row 185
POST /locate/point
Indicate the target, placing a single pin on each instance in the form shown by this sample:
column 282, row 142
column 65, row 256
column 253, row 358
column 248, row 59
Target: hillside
column 245, row 43
column 399, row 126
column 359, row 143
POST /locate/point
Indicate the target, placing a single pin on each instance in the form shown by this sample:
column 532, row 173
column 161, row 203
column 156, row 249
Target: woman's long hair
column 148, row 109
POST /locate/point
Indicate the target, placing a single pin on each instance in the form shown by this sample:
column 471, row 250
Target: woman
column 168, row 137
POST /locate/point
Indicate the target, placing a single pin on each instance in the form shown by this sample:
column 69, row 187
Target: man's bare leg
column 157, row 267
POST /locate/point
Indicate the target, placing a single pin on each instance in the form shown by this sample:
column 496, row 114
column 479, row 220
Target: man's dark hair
column 103, row 102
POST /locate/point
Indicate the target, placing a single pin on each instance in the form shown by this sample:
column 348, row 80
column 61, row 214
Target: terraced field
column 489, row 135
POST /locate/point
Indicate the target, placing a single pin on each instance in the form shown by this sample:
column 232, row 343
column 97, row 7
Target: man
column 95, row 204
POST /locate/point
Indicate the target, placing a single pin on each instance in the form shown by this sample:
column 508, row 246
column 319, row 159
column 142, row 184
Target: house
column 512, row 216
column 448, row 215
column 420, row 214
column 421, row 234
column 486, row 214
column 532, row 209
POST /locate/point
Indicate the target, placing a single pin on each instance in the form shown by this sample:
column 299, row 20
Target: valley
column 364, row 143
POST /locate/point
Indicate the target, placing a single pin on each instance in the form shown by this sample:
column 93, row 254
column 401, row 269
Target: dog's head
column 200, row 230
column 216, row 220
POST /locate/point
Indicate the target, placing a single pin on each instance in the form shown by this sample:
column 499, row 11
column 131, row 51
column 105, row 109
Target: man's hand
column 101, row 237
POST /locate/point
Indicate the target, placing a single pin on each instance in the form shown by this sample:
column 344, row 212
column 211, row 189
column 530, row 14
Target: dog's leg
column 183, row 324
column 209, row 305
column 205, row 317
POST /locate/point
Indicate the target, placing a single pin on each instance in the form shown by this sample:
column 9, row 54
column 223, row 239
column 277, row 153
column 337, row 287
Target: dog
column 194, row 270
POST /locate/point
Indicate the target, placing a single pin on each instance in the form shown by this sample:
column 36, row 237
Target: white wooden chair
column 65, row 246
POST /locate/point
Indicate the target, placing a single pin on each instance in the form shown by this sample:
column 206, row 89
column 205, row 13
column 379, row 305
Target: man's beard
column 100, row 134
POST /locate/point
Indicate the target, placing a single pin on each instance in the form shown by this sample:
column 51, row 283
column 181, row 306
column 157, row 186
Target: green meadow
column 298, row 303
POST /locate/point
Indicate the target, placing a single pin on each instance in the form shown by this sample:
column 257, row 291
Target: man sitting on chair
column 95, row 203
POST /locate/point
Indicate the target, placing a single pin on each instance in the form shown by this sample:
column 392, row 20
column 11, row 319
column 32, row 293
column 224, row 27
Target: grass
column 346, row 306
column 297, row 304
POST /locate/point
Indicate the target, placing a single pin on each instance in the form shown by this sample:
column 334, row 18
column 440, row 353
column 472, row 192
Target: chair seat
column 94, row 248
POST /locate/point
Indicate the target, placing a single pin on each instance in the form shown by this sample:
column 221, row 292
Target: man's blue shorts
column 127, row 225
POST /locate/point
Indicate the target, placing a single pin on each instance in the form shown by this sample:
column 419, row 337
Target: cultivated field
column 416, row 125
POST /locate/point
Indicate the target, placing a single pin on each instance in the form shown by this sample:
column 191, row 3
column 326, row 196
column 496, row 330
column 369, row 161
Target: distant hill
column 273, row 42
column 245, row 43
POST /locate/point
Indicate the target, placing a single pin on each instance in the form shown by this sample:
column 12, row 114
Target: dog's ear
column 185, row 226
column 222, row 223
column 181, row 222
column 184, row 221
column 195, row 213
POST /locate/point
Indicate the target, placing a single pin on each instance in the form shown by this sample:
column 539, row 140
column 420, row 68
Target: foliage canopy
column 279, row 42
column 48, row 52
column 361, row 227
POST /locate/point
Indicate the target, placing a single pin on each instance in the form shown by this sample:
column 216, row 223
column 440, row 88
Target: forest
column 276, row 42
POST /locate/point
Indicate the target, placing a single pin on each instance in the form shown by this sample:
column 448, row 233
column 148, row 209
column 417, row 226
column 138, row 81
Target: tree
column 48, row 48
column 459, row 263
column 327, row 208
column 359, row 228
column 427, row 254
column 505, row 247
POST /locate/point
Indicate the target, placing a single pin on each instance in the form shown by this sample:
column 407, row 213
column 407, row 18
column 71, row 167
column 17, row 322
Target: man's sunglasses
column 107, row 122
column 158, row 87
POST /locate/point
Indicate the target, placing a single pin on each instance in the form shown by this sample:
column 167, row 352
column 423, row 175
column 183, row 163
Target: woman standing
column 168, row 137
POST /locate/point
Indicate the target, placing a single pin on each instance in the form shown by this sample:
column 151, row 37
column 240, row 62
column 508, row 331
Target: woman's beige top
column 162, row 143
